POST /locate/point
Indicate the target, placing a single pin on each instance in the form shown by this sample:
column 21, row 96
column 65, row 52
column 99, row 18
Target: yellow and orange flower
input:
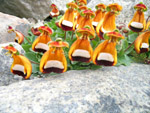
column 138, row 22
column 141, row 43
column 67, row 21
column 81, row 2
column 21, row 65
column 54, row 59
column 106, row 53
column 107, row 24
column 40, row 43
column 81, row 49
column 87, row 20
column 55, row 11
column 100, row 12
column 19, row 36
column 148, row 25
column 78, row 17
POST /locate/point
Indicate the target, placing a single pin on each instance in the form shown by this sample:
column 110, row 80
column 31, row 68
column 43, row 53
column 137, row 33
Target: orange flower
column 81, row 2
column 87, row 20
column 35, row 31
column 21, row 65
column 54, row 59
column 106, row 53
column 81, row 49
column 40, row 43
column 137, row 24
column 55, row 11
column 19, row 36
column 107, row 24
column 100, row 11
column 67, row 21
column 141, row 43
column 78, row 15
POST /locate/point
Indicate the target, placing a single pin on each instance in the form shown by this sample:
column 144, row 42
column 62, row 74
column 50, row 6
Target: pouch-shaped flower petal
column 21, row 65
column 100, row 12
column 138, row 22
column 19, row 36
column 105, row 54
column 40, row 43
column 67, row 21
column 55, row 11
column 54, row 59
column 141, row 43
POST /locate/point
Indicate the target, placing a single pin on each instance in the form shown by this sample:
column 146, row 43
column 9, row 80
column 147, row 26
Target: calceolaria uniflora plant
column 82, row 39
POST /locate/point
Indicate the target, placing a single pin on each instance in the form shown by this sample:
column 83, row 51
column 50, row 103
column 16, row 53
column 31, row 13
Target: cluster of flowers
column 84, row 22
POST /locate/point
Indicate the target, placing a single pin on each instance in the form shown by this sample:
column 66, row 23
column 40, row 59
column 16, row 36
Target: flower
column 100, row 12
column 107, row 24
column 54, row 59
column 35, row 31
column 81, row 2
column 81, row 49
column 55, row 11
column 21, row 65
column 141, row 43
column 148, row 25
column 40, row 43
column 19, row 36
column 67, row 21
column 79, row 17
column 138, row 22
column 106, row 53
column 87, row 20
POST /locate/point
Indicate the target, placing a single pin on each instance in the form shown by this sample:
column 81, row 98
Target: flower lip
column 71, row 4
column 83, row 8
column 45, row 28
column 58, row 43
column 101, row 5
column 115, row 34
column 115, row 5
column 10, row 48
column 35, row 31
column 140, row 5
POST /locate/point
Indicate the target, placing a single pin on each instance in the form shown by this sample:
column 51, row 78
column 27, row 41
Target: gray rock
column 6, row 77
column 128, row 11
column 123, row 89
column 37, row 9
column 19, row 24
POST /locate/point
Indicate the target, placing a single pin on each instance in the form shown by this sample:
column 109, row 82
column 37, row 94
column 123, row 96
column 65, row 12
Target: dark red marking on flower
column 35, row 31
column 101, row 35
column 53, row 5
column 66, row 28
column 53, row 69
column 135, row 29
column 20, row 73
column 104, row 63
column 141, row 5
column 40, row 50
column 81, row 59
column 143, row 50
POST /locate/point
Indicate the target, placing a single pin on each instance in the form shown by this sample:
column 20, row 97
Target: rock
column 19, row 24
column 128, row 11
column 37, row 9
column 123, row 89
column 6, row 77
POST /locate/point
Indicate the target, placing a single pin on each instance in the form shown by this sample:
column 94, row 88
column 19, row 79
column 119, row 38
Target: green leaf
column 32, row 56
column 26, row 47
column 132, row 37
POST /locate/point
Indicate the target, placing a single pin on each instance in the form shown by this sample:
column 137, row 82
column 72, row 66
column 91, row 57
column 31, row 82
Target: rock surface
column 6, row 77
column 123, row 89
column 128, row 11
column 19, row 24
column 37, row 9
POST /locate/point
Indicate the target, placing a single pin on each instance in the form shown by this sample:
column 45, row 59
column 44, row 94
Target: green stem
column 65, row 35
column 147, row 19
column 34, row 62
column 72, row 35
column 28, row 40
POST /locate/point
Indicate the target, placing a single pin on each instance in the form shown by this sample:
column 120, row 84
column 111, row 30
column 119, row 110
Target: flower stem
column 34, row 62
column 147, row 19
column 65, row 35
column 28, row 40
column 72, row 35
